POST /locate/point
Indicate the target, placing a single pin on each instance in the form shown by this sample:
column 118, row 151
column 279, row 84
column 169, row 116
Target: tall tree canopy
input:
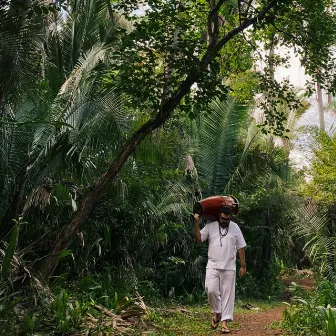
column 177, row 57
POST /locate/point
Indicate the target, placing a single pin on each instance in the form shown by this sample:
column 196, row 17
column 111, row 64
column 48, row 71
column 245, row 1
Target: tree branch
column 284, row 32
column 254, row 47
column 213, row 50
column 248, row 7
column 212, row 22
column 219, row 4
column 212, row 13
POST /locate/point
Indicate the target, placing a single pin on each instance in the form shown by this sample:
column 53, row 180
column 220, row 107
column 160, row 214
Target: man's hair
column 226, row 211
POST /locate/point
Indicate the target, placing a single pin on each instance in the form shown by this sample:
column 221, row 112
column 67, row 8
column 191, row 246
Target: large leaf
column 219, row 139
column 10, row 250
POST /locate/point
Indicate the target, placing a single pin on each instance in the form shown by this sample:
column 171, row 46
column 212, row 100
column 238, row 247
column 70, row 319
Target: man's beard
column 224, row 225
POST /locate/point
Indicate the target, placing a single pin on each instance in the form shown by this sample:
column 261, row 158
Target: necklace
column 222, row 233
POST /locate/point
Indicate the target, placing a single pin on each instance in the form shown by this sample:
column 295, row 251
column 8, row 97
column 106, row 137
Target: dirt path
column 264, row 322
column 259, row 323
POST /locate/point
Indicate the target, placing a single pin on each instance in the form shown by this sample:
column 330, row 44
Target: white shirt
column 222, row 257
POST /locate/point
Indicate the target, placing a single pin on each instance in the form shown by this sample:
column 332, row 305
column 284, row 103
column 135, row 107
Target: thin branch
column 254, row 47
column 34, row 243
column 284, row 32
column 239, row 11
column 213, row 50
column 215, row 25
column 248, row 7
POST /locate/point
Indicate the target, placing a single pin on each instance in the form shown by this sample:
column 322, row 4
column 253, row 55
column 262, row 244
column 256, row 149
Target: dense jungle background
column 117, row 116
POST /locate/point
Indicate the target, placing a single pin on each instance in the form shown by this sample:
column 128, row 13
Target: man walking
column 225, row 239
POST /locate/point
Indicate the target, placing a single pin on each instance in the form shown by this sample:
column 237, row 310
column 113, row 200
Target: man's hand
column 242, row 271
column 242, row 261
column 196, row 217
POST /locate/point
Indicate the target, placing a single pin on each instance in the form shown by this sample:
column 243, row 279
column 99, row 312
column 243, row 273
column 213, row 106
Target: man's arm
column 241, row 253
column 197, row 231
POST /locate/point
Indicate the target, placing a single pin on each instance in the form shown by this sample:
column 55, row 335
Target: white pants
column 220, row 287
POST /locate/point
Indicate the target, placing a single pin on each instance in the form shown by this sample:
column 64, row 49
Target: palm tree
column 61, row 126
column 313, row 227
column 219, row 134
column 234, row 157
column 316, row 223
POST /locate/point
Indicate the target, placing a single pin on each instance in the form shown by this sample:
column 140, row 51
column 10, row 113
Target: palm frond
column 219, row 137
column 320, row 243
column 20, row 55
column 310, row 221
column 175, row 201
column 84, row 66
column 87, row 23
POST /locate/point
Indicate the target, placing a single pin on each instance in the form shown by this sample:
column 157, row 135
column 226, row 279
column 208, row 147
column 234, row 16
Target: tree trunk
column 320, row 106
column 15, row 208
column 266, row 250
column 66, row 234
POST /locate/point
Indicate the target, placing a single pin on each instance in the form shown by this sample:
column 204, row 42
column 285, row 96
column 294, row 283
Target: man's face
column 224, row 219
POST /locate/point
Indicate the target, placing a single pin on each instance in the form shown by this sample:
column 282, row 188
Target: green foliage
column 68, row 313
column 55, row 134
column 161, row 51
column 303, row 318
column 311, row 227
column 8, row 301
column 244, row 86
column 74, row 85
column 171, row 45
column 323, row 171
column 311, row 314
column 277, row 94
column 329, row 315
column 5, row 267
column 29, row 324
column 248, row 287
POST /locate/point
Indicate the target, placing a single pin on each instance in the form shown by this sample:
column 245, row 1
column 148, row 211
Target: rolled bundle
column 208, row 208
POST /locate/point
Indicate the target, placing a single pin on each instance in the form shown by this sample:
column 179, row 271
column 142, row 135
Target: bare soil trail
column 259, row 323
column 266, row 322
